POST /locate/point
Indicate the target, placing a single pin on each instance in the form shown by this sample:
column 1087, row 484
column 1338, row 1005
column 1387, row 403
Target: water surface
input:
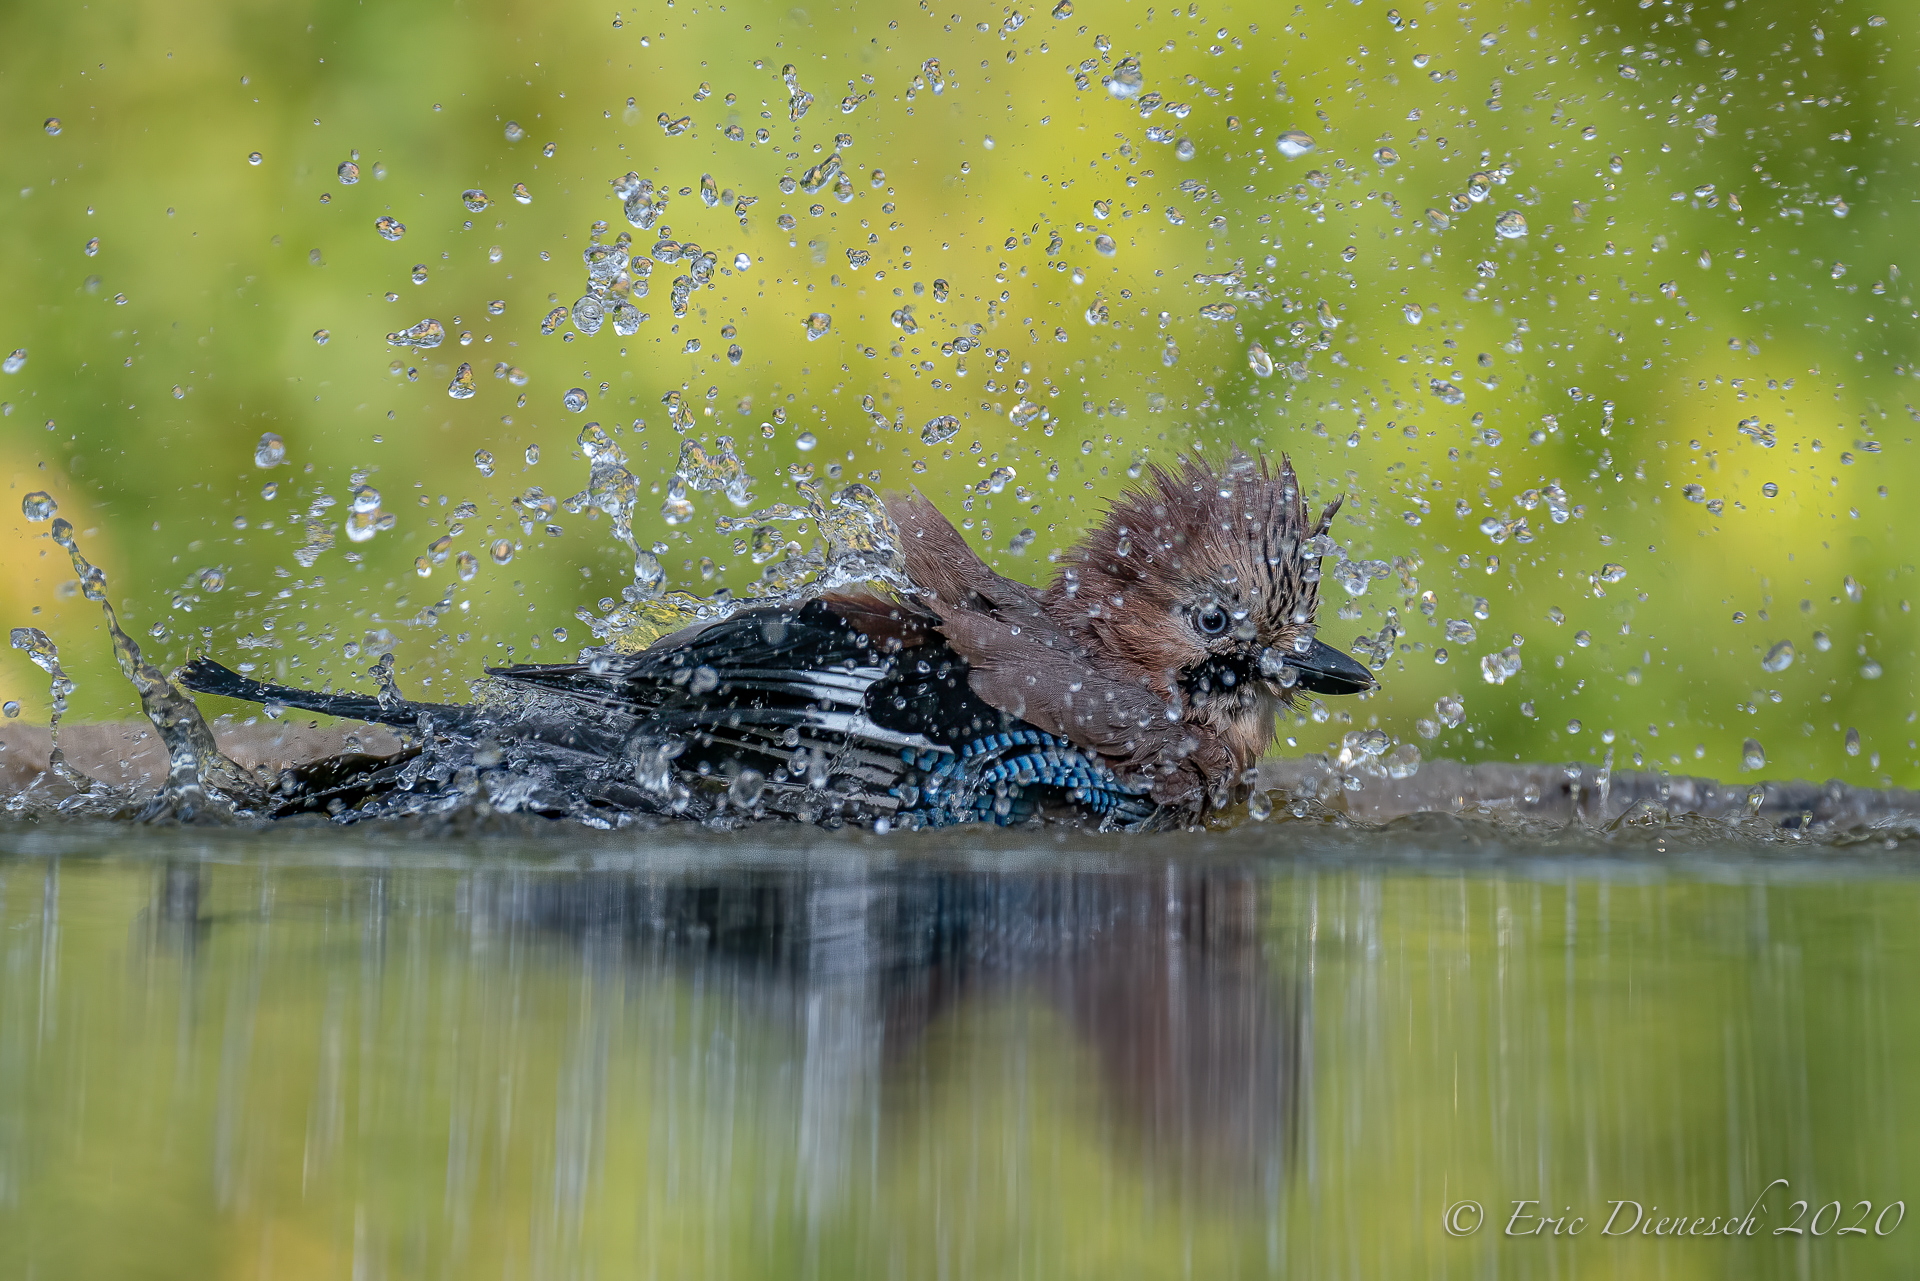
column 1284, row 1050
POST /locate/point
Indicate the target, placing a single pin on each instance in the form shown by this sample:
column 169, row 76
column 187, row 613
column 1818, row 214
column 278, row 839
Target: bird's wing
column 1037, row 674
column 1024, row 662
column 816, row 653
column 939, row 562
column 764, row 689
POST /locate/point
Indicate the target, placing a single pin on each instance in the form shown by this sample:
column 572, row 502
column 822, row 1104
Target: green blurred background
column 1715, row 199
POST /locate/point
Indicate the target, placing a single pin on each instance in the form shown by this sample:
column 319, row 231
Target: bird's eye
column 1211, row 621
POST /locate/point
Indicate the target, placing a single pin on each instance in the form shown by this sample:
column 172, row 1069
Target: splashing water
column 858, row 543
column 1266, row 319
column 39, row 647
column 202, row 783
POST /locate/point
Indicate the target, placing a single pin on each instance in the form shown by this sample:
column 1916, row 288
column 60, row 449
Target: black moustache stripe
column 1220, row 672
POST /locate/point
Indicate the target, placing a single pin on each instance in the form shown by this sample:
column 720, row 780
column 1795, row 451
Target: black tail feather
column 571, row 734
column 204, row 676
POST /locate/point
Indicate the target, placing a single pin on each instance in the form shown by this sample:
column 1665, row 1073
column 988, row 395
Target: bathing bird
column 1136, row 689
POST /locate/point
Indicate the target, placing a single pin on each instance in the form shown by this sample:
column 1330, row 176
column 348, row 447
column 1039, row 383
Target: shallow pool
column 1294, row 1049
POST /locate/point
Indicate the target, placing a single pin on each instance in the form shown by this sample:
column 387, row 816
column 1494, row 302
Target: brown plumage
column 1170, row 637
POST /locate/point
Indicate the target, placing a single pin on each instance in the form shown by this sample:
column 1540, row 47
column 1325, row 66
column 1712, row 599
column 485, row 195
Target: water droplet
column 1413, row 312
column 475, row 200
column 514, row 132
column 1259, row 361
column 52, row 126
column 1126, row 80
column 389, row 228
column 1386, row 156
column 807, row 440
column 1779, row 658
column 15, row 362
column 39, row 506
column 12, row 707
column 1103, row 245
column 1752, row 755
column 270, row 452
column 741, row 262
column 254, row 157
column 1853, row 741
column 1853, row 589
column 589, row 313
column 1612, row 573
column 1510, row 225
column 462, row 388
column 938, row 431
column 483, row 459
column 422, row 334
column 1293, row 144
column 575, row 400
column 817, row 325
column 744, row 791
column 554, row 319
column 320, row 336
column 501, row 551
column 419, row 273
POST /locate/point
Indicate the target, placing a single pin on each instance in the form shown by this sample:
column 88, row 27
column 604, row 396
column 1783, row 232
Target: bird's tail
column 204, row 676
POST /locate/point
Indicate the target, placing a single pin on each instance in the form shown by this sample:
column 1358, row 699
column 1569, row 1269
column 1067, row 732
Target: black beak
column 1325, row 670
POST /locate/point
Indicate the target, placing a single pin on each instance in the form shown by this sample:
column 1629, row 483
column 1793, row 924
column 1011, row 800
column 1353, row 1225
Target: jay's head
column 1206, row 581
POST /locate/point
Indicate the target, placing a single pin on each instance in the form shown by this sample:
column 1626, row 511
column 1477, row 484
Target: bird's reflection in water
column 175, row 920
column 1187, row 1000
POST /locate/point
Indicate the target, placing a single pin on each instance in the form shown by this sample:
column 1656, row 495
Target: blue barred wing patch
column 1006, row 777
